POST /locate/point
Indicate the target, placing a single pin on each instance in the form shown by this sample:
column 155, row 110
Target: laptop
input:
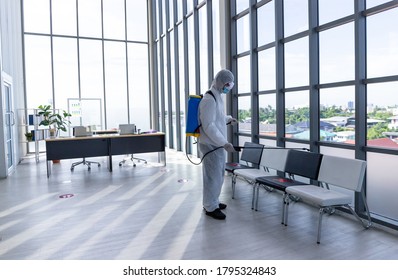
column 81, row 131
column 125, row 129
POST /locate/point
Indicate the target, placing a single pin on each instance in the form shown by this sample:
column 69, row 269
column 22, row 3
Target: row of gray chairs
column 305, row 176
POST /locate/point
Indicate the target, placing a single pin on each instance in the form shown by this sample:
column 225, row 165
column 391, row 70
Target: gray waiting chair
column 344, row 173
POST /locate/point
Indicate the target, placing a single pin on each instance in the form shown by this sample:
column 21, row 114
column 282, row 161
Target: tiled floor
column 154, row 212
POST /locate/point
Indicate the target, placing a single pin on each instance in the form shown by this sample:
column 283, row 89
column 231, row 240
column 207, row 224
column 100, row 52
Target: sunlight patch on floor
column 138, row 246
column 24, row 205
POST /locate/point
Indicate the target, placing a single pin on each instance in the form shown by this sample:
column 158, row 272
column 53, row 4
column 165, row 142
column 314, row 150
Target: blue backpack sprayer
column 193, row 123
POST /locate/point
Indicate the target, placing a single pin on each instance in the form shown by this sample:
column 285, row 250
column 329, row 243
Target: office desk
column 104, row 145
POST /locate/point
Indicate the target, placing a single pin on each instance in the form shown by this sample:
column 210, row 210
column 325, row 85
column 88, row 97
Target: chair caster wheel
column 99, row 165
column 134, row 165
column 71, row 169
column 89, row 168
column 120, row 164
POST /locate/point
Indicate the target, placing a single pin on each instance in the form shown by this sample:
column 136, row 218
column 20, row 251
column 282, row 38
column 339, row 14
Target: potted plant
column 53, row 120
column 29, row 136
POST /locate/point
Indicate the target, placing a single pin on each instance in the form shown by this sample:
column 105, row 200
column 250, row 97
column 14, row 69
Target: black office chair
column 132, row 158
column 81, row 131
column 128, row 129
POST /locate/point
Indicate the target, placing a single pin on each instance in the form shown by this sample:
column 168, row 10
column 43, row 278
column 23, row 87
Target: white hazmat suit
column 213, row 134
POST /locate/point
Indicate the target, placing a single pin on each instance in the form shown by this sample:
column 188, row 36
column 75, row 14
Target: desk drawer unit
column 78, row 148
column 137, row 144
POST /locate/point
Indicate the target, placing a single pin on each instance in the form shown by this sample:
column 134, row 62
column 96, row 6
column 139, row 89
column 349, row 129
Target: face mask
column 228, row 87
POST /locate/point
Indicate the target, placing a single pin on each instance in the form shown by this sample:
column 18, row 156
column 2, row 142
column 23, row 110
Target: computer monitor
column 126, row 129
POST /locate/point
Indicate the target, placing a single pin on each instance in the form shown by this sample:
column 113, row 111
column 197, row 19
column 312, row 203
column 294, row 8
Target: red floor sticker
column 68, row 195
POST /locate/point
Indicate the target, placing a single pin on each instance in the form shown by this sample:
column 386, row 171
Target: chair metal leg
column 257, row 196
column 283, row 208
column 321, row 211
column 233, row 185
column 132, row 158
column 286, row 209
column 124, row 161
column 255, row 189
column 84, row 162
column 367, row 211
column 139, row 159
column 366, row 225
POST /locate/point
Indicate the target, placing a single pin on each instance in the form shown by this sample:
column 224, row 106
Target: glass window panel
column 115, row 84
column 372, row 3
column 332, row 151
column 266, row 70
column 216, row 36
column 91, row 75
column 137, row 28
column 330, row 10
column 337, row 114
column 241, row 5
column 294, row 145
column 191, row 57
column 38, row 71
column 114, row 25
column 381, row 185
column 244, row 114
column 36, row 16
column 296, row 15
column 337, row 54
column 171, row 13
column 382, row 113
column 382, row 47
column 268, row 142
column 297, row 63
column 242, row 140
column 64, row 17
column 164, row 25
column 243, row 33
column 65, row 71
column 189, row 6
column 90, row 18
column 179, row 10
column 244, row 74
column 267, row 114
column 139, row 85
column 266, row 24
column 204, row 58
column 91, row 69
column 158, row 21
column 297, row 115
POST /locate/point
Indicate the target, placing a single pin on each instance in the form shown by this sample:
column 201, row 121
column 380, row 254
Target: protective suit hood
column 223, row 77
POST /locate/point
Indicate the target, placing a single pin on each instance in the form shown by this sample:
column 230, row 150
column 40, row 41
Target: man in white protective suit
column 213, row 136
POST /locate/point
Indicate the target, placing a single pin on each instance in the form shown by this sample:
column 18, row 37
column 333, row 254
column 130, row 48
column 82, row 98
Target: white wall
column 11, row 64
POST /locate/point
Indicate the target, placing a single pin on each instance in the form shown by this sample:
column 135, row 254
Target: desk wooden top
column 103, row 136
